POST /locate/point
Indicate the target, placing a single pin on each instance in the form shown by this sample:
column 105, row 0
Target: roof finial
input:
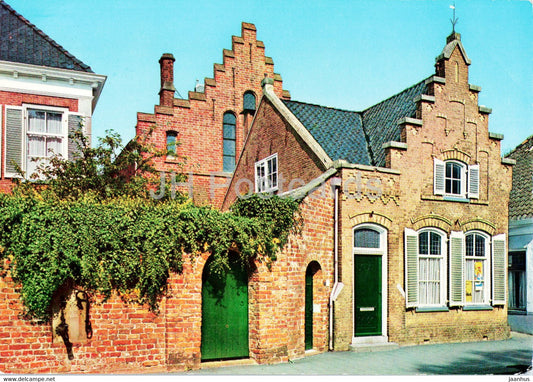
column 454, row 20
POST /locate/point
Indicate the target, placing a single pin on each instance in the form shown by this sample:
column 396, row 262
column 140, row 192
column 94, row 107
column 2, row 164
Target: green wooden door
column 225, row 313
column 308, row 309
column 367, row 276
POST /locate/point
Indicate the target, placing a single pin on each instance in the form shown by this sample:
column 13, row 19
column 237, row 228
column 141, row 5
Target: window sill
column 477, row 307
column 430, row 309
column 438, row 198
column 455, row 199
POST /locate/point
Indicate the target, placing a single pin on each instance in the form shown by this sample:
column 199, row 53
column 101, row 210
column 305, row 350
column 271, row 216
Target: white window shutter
column 499, row 269
column 473, row 181
column 439, row 168
column 14, row 141
column 74, row 123
column 411, row 268
column 457, row 252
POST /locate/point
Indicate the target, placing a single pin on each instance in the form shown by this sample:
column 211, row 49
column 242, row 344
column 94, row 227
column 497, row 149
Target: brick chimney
column 166, row 94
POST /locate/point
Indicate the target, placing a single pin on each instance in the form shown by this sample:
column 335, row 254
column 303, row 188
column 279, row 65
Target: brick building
column 206, row 131
column 413, row 192
column 44, row 93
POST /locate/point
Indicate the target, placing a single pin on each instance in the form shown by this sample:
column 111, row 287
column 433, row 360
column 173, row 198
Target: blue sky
column 344, row 54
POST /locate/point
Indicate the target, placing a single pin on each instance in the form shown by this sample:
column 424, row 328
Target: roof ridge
column 45, row 36
column 322, row 106
column 397, row 94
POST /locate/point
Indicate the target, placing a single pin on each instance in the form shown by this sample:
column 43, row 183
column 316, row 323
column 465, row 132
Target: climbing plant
column 126, row 244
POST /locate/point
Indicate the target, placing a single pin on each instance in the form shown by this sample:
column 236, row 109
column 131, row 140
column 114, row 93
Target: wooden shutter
column 457, row 253
column 411, row 268
column 473, row 181
column 499, row 270
column 439, row 168
column 74, row 123
column 14, row 139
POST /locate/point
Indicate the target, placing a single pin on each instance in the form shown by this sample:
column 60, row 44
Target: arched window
column 172, row 138
column 228, row 156
column 477, row 270
column 431, row 268
column 248, row 101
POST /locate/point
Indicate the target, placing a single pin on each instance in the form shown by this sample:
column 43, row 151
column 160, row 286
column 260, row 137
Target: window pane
column 423, row 244
column 36, row 121
column 229, row 131
column 470, row 245
column 171, row 142
column 435, row 244
column 36, row 146
column 53, row 122
column 449, row 167
column 456, row 171
column 229, row 147
column 228, row 163
column 249, row 101
column 366, row 238
column 456, row 187
column 480, row 245
column 53, row 146
column 229, row 119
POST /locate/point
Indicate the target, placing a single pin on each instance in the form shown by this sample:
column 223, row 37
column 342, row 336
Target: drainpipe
column 337, row 286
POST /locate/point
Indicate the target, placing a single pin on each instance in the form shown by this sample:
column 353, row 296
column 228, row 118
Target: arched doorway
column 225, row 311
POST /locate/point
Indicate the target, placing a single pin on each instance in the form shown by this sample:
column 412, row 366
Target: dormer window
column 456, row 179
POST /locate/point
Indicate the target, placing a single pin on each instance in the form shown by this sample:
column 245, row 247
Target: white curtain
column 429, row 281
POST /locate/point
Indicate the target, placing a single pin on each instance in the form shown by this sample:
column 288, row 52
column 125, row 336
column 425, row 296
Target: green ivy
column 129, row 245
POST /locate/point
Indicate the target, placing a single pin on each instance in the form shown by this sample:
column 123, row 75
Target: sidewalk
column 471, row 358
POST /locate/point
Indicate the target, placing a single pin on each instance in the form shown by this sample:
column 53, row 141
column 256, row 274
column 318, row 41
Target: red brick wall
column 128, row 338
column 198, row 119
column 271, row 134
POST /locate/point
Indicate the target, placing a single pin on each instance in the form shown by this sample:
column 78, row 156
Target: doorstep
column 230, row 362
column 372, row 344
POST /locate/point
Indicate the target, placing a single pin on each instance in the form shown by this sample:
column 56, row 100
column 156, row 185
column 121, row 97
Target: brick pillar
column 166, row 94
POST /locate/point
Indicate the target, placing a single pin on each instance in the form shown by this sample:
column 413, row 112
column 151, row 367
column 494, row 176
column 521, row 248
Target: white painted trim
column 383, row 237
column 487, row 269
column 443, row 266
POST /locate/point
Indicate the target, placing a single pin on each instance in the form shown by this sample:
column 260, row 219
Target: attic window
column 266, row 174
column 456, row 179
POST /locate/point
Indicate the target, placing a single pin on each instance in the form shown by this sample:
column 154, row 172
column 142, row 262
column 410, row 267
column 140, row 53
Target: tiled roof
column 339, row 132
column 358, row 136
column 23, row 42
column 380, row 120
column 521, row 198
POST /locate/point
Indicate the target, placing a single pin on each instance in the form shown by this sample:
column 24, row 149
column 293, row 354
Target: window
column 477, row 272
column 455, row 179
column 172, row 137
column 517, row 280
column 228, row 156
column 474, row 268
column 266, row 174
column 248, row 103
column 426, row 262
column 45, row 138
column 366, row 238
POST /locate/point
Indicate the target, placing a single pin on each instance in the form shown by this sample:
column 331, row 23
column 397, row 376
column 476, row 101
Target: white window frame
column 443, row 257
column 469, row 179
column 381, row 251
column 64, row 131
column 487, row 271
column 263, row 179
